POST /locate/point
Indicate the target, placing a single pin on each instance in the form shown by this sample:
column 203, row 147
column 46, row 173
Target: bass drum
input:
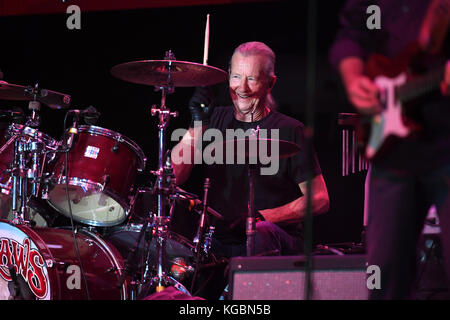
column 43, row 264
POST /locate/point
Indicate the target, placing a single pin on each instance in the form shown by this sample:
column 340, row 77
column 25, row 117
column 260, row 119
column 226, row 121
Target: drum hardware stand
column 161, row 221
column 200, row 237
column 206, row 240
column 201, row 228
column 21, row 173
column 251, row 222
column 130, row 263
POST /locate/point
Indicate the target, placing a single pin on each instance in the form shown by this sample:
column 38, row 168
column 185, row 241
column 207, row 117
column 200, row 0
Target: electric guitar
column 397, row 87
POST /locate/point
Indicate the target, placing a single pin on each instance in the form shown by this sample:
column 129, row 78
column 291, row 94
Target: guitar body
column 389, row 123
column 377, row 134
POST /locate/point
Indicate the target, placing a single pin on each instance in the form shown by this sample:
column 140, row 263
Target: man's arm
column 201, row 106
column 183, row 154
column 296, row 210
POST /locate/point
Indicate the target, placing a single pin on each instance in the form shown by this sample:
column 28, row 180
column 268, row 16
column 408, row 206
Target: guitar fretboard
column 420, row 86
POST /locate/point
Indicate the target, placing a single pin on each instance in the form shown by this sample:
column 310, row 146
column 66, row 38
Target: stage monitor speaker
column 283, row 278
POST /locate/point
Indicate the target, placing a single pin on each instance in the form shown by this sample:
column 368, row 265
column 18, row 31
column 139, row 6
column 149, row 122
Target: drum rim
column 137, row 227
column 85, row 183
column 16, row 128
column 118, row 137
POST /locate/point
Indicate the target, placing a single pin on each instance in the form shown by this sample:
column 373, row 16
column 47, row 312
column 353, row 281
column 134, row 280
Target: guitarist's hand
column 445, row 84
column 363, row 94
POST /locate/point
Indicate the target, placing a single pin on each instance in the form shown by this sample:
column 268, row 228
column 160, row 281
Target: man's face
column 249, row 84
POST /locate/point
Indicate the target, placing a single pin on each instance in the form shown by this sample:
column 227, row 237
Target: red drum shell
column 101, row 262
column 104, row 161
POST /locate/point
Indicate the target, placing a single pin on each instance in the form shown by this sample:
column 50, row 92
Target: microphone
column 90, row 115
column 72, row 132
column 196, row 205
column 88, row 111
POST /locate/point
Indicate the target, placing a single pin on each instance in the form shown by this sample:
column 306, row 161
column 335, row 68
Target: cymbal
column 169, row 73
column 285, row 148
column 52, row 99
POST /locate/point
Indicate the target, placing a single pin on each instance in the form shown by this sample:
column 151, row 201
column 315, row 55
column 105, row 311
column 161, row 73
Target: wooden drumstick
column 205, row 50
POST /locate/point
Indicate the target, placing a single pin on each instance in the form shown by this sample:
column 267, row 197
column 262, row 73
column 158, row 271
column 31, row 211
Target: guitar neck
column 419, row 86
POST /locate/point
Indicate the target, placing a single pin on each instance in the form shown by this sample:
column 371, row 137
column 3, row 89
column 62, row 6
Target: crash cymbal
column 52, row 99
column 248, row 149
column 169, row 73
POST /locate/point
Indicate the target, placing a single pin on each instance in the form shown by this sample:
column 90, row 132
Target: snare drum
column 47, row 268
column 102, row 168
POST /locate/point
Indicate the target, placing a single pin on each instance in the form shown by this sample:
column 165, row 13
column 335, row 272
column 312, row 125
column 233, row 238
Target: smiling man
column 280, row 199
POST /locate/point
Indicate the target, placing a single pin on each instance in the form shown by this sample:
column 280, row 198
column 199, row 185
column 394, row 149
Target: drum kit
column 115, row 241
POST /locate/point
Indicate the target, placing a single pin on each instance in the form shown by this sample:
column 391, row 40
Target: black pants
column 398, row 205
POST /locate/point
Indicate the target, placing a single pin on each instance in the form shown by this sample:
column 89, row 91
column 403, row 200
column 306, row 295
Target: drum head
column 30, row 268
column 43, row 263
column 88, row 204
column 40, row 214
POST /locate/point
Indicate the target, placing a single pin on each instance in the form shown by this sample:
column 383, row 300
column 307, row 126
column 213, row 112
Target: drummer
column 280, row 198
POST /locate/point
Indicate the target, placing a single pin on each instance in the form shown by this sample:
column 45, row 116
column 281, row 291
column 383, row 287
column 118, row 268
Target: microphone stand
column 200, row 231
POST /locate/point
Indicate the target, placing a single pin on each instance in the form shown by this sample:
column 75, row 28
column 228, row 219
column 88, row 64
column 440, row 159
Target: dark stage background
column 40, row 48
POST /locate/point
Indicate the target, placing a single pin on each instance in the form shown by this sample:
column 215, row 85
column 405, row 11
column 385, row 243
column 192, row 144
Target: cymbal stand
column 161, row 220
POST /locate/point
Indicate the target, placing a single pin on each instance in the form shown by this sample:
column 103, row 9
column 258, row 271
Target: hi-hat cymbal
column 169, row 73
column 52, row 99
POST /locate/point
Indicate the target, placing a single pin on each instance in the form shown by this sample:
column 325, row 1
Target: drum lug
column 106, row 179
column 112, row 270
column 89, row 242
column 116, row 147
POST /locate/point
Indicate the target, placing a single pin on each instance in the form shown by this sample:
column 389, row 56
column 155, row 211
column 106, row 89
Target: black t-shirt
column 229, row 190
